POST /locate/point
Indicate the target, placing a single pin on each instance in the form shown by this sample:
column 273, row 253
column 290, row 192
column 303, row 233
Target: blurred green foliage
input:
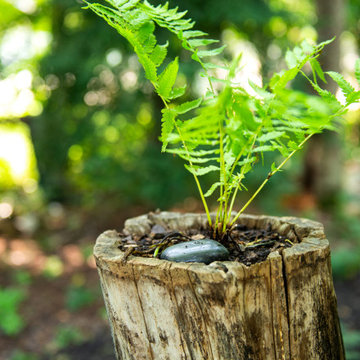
column 66, row 336
column 345, row 263
column 11, row 322
column 351, row 343
column 21, row 277
column 78, row 297
column 53, row 267
column 20, row 355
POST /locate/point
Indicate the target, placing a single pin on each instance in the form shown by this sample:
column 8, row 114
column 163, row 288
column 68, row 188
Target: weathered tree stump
column 282, row 308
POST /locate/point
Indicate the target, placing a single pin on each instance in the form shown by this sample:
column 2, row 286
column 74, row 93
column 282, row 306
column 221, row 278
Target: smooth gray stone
column 203, row 251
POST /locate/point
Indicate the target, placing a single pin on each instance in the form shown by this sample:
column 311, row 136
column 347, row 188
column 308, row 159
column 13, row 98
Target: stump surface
column 282, row 308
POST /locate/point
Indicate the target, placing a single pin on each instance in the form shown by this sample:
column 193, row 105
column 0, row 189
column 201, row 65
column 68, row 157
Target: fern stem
column 232, row 201
column 196, row 178
column 202, row 65
column 192, row 166
column 223, row 186
column 252, row 140
column 271, row 173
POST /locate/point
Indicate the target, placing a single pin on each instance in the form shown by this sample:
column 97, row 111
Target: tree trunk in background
column 48, row 132
column 324, row 158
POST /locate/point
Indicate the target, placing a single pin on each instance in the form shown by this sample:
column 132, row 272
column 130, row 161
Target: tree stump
column 282, row 308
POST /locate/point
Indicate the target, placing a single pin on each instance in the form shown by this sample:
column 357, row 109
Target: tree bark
column 281, row 308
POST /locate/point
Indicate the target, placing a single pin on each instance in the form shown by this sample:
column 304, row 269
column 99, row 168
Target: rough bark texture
column 282, row 308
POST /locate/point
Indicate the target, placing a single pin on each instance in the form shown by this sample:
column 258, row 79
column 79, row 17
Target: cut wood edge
column 295, row 229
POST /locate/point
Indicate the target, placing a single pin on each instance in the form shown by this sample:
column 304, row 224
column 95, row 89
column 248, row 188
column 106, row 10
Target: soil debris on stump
column 248, row 246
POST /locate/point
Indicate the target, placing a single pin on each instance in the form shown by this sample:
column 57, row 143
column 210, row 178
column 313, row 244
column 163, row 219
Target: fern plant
column 226, row 132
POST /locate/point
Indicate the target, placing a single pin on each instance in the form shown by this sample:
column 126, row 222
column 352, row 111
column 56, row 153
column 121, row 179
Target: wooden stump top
column 306, row 235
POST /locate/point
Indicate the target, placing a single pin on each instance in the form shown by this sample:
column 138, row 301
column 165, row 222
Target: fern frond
column 212, row 52
column 200, row 171
column 158, row 55
column 226, row 132
column 177, row 92
column 167, row 79
column 192, row 34
column 167, row 125
column 357, row 71
column 201, row 42
column 270, row 136
column 316, row 68
column 187, row 106
column 183, row 152
column 122, row 22
column 343, row 84
column 213, row 187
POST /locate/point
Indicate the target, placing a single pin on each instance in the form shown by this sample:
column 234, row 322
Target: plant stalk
column 228, row 215
column 271, row 173
column 192, row 166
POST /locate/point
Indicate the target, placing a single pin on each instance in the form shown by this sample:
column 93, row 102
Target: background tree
column 325, row 159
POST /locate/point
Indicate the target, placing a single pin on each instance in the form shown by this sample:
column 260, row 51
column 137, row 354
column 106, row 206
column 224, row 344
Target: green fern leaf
column 247, row 161
column 145, row 36
column 290, row 59
column 244, row 114
column 158, row 55
column 129, row 4
column 181, row 25
column 116, row 19
column 167, row 79
column 353, row 97
column 279, row 81
column 357, row 71
column 167, row 126
column 292, row 145
column 200, row 171
column 138, row 19
column 192, row 34
column 326, row 95
column 320, row 46
column 195, row 153
column 212, row 52
column 209, row 66
column 263, row 148
column 343, row 84
column 201, row 42
column 213, row 187
column 315, row 65
column 117, row 3
column 201, row 160
column 270, row 136
column 187, row 106
column 266, row 95
column 177, row 92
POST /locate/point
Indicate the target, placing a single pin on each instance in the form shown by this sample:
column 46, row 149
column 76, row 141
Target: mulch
column 248, row 246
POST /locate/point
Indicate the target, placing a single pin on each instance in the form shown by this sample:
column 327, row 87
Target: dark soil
column 348, row 296
column 248, row 246
column 100, row 347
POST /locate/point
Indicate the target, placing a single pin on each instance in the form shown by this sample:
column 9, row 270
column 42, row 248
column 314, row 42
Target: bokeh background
column 79, row 153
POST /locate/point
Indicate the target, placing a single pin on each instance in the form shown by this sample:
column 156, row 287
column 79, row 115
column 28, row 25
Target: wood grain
column 282, row 308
